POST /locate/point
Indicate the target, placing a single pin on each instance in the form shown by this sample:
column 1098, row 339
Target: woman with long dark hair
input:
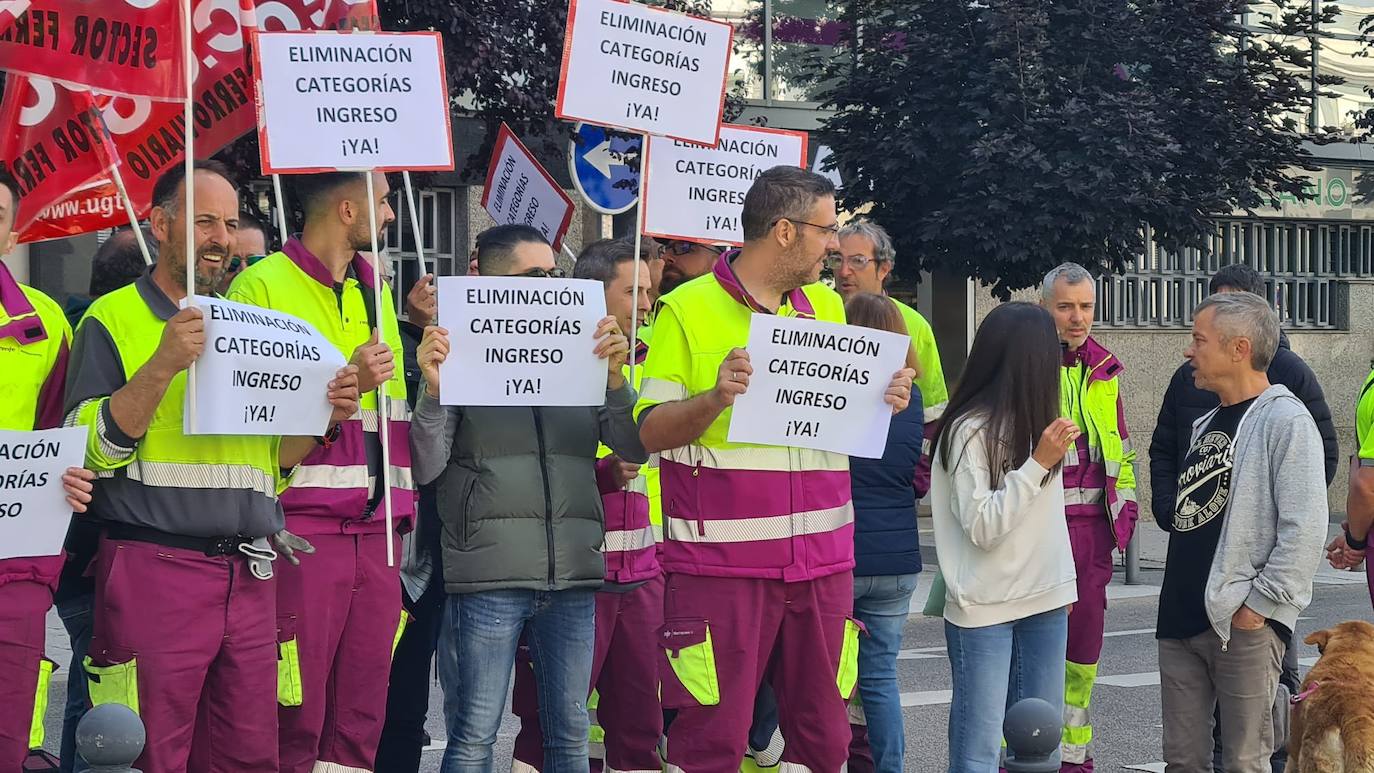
column 997, row 498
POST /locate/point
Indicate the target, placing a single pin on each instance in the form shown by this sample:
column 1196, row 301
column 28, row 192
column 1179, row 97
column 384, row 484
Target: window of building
column 437, row 231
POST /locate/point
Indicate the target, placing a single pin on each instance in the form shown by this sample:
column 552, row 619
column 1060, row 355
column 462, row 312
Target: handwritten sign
column 519, row 190
column 263, row 373
column 521, row 341
column 818, row 385
column 697, row 192
column 644, row 69
column 329, row 100
column 34, row 513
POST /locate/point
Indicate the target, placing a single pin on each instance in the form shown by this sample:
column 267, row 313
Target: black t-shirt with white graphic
column 1204, row 487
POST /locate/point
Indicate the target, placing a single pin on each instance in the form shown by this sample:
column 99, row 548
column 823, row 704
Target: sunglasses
column 539, row 273
column 235, row 262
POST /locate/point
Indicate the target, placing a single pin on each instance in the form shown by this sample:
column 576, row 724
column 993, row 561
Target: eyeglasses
column 854, row 262
column 833, row 229
column 539, row 273
column 682, row 247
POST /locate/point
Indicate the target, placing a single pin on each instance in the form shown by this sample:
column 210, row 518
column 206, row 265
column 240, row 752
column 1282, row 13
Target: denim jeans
column 993, row 668
column 76, row 618
column 882, row 604
column 477, row 652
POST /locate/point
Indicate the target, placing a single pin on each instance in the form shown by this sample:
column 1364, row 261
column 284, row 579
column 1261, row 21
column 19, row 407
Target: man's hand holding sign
column 611, row 347
column 522, row 340
column 822, row 386
column 41, row 484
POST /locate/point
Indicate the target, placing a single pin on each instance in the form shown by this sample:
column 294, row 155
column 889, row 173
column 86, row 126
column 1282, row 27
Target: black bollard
column 1032, row 729
column 109, row 738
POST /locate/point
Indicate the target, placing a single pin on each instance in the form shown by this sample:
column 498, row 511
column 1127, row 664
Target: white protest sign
column 697, row 192
column 34, row 513
column 262, row 373
column 823, row 156
column 519, row 190
column 521, row 341
column 818, row 385
column 330, row 100
column 645, row 69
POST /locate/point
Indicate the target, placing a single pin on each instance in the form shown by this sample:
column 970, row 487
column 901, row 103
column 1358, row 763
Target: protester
column 1350, row 548
column 1184, row 403
column 250, row 246
column 1245, row 541
column 34, row 357
column 522, row 532
column 186, row 609
column 652, row 251
column 887, row 556
column 863, row 265
column 407, row 700
column 1099, row 490
column 683, row 261
column 118, row 262
column 629, row 607
column 340, row 612
column 1000, row 534
column 403, row 735
column 767, row 601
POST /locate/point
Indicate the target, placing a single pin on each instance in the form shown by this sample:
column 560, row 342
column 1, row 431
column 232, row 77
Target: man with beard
column 683, row 261
column 186, row 605
column 759, row 540
column 340, row 615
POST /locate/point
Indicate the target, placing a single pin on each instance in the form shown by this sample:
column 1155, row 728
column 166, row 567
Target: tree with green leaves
column 997, row 140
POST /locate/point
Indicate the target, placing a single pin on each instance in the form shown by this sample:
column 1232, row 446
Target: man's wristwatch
column 1353, row 543
column 329, row 438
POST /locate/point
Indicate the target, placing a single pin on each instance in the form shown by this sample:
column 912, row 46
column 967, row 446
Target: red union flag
column 150, row 135
column 53, row 142
column 11, row 10
column 116, row 46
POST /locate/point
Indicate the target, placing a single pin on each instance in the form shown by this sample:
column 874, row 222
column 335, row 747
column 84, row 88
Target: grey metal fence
column 1307, row 266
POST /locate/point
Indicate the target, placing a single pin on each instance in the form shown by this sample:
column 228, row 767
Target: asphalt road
column 1126, row 705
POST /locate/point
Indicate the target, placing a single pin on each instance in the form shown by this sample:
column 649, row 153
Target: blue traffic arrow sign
column 596, row 163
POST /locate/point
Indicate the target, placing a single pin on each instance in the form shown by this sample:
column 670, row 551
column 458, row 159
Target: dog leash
column 1305, row 694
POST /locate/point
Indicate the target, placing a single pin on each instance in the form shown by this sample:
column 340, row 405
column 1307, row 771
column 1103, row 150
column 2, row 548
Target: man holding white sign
column 523, row 526
column 759, row 540
column 190, row 521
column 260, row 371
column 340, row 613
column 34, row 342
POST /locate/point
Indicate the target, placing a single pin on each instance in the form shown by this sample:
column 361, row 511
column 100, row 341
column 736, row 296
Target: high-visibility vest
column 193, row 485
column 737, row 509
column 1099, row 473
column 35, row 343
column 331, row 489
column 634, row 519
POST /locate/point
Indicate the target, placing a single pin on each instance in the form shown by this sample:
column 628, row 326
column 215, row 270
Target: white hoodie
column 1004, row 552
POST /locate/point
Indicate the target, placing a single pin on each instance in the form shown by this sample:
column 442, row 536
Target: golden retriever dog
column 1333, row 714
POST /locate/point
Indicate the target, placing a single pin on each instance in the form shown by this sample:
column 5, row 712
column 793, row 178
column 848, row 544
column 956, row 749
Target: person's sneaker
column 770, row 757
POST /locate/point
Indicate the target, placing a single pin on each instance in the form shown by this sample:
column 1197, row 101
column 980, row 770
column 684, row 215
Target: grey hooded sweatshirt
column 1275, row 525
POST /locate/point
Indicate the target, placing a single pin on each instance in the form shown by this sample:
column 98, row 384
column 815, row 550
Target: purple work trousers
column 342, row 606
column 191, row 636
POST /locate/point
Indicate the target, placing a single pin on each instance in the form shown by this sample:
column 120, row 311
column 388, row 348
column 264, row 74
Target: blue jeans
column 994, row 668
column 76, row 618
column 477, row 652
column 882, row 604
